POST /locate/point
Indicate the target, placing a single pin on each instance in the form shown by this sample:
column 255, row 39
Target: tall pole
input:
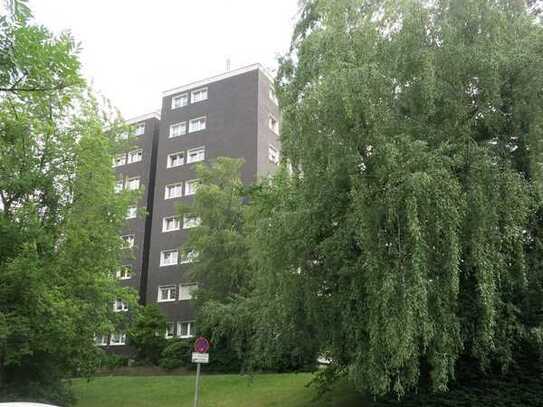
column 196, row 390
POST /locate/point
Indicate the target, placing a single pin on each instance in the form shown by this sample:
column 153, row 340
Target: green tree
column 228, row 303
column 147, row 334
column 59, row 215
column 411, row 224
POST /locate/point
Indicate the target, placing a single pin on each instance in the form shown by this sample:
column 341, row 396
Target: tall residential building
column 234, row 114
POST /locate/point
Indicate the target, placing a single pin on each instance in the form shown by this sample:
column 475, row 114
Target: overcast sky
column 132, row 50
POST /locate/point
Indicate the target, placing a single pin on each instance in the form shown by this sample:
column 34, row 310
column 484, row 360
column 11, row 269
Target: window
column 101, row 340
column 196, row 154
column 139, row 129
column 133, row 183
column 180, row 101
column 118, row 339
column 191, row 221
column 175, row 159
column 198, row 95
column 120, row 306
column 178, row 129
column 170, row 330
column 134, row 156
column 197, row 124
column 168, row 257
column 167, row 293
column 186, row 290
column 132, row 212
column 128, row 241
column 272, row 95
column 119, row 185
column 273, row 124
column 273, row 154
column 185, row 329
column 124, row 273
column 170, row 223
column 191, row 187
column 189, row 257
column 119, row 160
column 173, row 191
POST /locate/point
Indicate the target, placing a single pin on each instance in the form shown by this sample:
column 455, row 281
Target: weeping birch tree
column 412, row 222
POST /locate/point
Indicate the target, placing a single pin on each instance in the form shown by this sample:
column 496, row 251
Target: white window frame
column 189, row 288
column 190, row 257
column 129, row 183
column 177, row 184
column 192, row 124
column 165, row 222
column 99, row 340
column 182, row 96
column 273, row 154
column 119, row 186
column 178, row 162
column 139, row 129
column 124, row 273
column 119, row 160
column 171, row 334
column 200, row 154
column 122, row 339
column 273, row 96
column 162, row 257
column 273, row 124
column 138, row 154
column 131, row 212
column 170, row 297
column 120, row 306
column 179, row 125
column 190, row 222
column 191, row 186
column 130, row 239
column 194, row 98
column 190, row 330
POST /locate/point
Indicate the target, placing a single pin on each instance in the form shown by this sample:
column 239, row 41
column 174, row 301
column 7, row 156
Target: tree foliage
column 411, row 225
column 147, row 334
column 229, row 306
column 59, row 216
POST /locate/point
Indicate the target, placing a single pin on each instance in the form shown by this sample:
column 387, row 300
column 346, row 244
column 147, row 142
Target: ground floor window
column 185, row 329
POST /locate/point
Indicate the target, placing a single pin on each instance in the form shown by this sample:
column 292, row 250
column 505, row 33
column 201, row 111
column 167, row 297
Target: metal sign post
column 199, row 356
column 197, row 389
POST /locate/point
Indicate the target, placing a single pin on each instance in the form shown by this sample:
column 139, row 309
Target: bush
column 177, row 353
column 147, row 334
column 112, row 361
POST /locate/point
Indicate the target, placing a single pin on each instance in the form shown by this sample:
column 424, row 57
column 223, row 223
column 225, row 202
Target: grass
column 266, row 390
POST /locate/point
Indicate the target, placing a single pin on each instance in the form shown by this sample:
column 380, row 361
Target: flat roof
column 143, row 117
column 216, row 78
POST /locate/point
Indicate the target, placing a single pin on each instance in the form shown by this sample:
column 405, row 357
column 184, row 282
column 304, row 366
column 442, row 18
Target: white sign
column 200, row 357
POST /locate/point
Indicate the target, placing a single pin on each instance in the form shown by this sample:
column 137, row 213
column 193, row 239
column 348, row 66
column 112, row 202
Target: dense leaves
column 411, row 226
column 59, row 216
column 229, row 304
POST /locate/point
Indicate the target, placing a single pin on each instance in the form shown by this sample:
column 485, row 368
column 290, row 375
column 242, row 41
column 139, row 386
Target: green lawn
column 267, row 390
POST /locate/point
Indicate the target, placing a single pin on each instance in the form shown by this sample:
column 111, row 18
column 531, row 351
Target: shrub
column 147, row 334
column 177, row 353
column 112, row 361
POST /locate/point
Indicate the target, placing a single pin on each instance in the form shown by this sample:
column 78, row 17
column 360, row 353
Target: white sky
column 132, row 50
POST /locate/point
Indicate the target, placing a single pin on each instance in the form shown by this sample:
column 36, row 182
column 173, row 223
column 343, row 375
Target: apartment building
column 234, row 114
column 135, row 170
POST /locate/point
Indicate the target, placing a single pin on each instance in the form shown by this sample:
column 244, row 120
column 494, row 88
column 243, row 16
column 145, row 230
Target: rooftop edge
column 218, row 77
column 144, row 116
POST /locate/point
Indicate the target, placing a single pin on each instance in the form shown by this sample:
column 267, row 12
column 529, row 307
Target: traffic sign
column 201, row 345
column 200, row 357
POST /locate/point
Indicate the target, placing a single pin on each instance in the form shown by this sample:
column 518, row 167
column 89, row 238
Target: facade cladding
column 230, row 115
